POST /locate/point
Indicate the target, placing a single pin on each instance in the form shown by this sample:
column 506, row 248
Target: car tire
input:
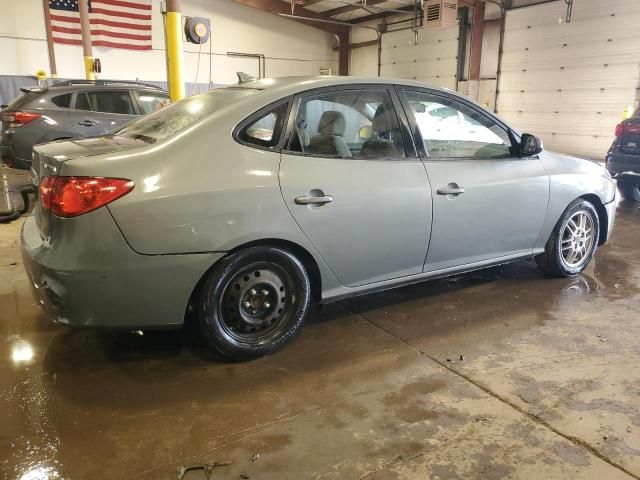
column 573, row 242
column 629, row 190
column 253, row 302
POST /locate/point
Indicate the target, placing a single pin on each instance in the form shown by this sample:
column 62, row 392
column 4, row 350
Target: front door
column 101, row 111
column 359, row 195
column 487, row 202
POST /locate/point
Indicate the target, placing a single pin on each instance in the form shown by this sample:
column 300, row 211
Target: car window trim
column 409, row 148
column 257, row 115
column 417, row 134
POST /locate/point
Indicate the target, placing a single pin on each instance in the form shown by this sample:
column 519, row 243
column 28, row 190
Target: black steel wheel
column 253, row 302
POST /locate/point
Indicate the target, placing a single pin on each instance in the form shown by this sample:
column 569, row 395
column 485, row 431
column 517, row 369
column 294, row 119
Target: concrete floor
column 375, row 388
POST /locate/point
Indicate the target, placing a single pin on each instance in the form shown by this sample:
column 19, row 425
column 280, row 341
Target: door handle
column 309, row 200
column 87, row 123
column 451, row 190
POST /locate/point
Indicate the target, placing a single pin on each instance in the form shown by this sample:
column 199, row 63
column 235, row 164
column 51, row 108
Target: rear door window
column 348, row 123
column 62, row 101
column 118, row 101
column 150, row 101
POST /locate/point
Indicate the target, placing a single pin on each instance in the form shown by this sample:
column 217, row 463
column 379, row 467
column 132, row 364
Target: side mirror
column 365, row 133
column 530, row 145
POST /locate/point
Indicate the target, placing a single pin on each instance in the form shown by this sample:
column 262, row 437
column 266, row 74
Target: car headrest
column 383, row 121
column 331, row 123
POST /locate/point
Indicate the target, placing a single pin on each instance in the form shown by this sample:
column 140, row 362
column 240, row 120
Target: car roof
column 283, row 86
column 70, row 87
column 301, row 83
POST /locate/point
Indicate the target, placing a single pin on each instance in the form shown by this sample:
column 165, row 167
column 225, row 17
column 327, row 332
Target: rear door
column 487, row 202
column 101, row 111
column 351, row 180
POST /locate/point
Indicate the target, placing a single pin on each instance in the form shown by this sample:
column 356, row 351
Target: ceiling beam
column 310, row 2
column 352, row 7
column 278, row 6
column 369, row 18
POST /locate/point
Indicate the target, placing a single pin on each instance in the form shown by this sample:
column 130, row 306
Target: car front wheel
column 573, row 242
column 629, row 190
column 254, row 302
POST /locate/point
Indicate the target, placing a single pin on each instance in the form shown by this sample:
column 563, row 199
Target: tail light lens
column 73, row 196
column 625, row 128
column 18, row 119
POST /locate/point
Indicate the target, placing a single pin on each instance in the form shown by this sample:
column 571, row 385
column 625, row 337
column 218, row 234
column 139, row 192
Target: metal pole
column 503, row 22
column 379, row 52
column 47, row 25
column 85, row 29
column 175, row 56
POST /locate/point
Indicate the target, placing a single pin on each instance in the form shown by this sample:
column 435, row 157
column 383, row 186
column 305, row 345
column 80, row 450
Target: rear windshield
column 24, row 99
column 173, row 118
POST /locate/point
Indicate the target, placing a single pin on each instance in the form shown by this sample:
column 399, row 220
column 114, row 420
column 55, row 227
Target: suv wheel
column 254, row 302
column 629, row 190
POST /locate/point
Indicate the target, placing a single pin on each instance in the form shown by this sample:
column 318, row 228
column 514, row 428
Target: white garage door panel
column 570, row 83
column 433, row 59
column 570, row 123
column 590, row 78
column 572, row 101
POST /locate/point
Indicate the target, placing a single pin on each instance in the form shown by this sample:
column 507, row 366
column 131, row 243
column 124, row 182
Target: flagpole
column 50, row 49
column 85, row 28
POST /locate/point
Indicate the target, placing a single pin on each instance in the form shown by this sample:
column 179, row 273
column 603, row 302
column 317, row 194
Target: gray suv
column 73, row 108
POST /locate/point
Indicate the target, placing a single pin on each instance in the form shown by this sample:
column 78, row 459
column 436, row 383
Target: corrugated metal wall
column 570, row 82
column 432, row 60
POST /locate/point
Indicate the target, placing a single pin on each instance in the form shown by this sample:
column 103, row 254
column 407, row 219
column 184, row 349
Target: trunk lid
column 48, row 159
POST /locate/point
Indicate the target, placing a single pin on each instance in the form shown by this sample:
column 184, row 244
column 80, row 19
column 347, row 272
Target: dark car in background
column 623, row 158
column 69, row 109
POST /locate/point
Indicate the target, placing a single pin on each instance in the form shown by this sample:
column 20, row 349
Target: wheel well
column 300, row 253
column 602, row 215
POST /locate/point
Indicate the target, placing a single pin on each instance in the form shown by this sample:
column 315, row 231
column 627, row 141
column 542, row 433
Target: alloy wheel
column 578, row 237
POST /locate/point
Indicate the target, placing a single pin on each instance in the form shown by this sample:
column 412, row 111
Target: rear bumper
column 91, row 278
column 10, row 159
column 624, row 166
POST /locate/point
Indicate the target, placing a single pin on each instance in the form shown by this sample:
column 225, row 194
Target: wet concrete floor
column 497, row 374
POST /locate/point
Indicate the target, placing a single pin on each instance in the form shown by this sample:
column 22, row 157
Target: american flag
column 114, row 23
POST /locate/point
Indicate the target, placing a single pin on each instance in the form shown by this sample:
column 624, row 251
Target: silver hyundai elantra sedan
column 247, row 204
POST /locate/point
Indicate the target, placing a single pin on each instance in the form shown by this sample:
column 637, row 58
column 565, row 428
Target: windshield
column 173, row 118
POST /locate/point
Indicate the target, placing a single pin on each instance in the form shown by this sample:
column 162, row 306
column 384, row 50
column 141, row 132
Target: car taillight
column 18, row 119
column 625, row 128
column 73, row 196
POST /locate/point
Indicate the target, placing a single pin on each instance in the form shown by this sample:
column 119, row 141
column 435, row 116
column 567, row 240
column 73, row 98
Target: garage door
column 570, row 82
column 432, row 60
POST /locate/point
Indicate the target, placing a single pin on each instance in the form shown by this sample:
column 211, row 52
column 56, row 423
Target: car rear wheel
column 573, row 242
column 629, row 190
column 254, row 302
